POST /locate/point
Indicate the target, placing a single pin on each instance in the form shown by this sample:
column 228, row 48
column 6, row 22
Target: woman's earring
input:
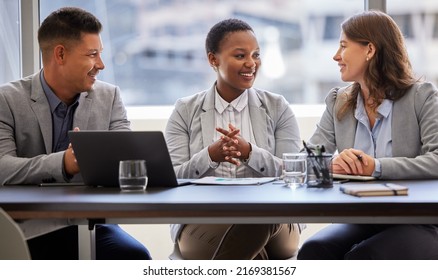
column 215, row 67
column 367, row 58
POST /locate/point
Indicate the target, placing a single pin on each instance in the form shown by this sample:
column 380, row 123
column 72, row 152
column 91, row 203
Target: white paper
column 209, row 180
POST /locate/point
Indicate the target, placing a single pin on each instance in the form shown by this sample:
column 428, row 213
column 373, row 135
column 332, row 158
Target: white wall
column 157, row 237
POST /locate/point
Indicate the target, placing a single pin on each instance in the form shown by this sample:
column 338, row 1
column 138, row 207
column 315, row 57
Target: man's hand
column 71, row 166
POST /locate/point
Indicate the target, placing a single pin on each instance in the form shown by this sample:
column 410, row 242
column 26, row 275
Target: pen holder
column 319, row 171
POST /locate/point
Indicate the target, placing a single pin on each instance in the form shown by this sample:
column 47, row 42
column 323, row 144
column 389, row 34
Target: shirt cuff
column 212, row 164
column 377, row 168
column 66, row 176
column 249, row 155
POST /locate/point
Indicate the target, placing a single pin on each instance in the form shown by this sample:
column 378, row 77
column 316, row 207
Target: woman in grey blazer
column 232, row 130
column 386, row 125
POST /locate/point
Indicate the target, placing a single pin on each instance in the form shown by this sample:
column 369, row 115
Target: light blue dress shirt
column 375, row 141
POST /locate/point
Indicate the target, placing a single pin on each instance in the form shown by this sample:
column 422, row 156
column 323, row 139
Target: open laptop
column 99, row 152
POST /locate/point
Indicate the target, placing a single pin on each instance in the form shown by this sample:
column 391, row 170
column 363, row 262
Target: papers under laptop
column 233, row 181
column 98, row 154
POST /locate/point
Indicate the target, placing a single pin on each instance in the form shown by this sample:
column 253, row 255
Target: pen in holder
column 319, row 167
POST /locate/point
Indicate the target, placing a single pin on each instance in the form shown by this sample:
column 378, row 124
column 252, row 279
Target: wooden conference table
column 34, row 208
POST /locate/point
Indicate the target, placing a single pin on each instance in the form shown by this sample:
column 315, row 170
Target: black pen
column 309, row 151
column 312, row 160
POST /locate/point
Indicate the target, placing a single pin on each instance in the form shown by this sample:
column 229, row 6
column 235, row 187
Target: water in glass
column 294, row 169
column 133, row 175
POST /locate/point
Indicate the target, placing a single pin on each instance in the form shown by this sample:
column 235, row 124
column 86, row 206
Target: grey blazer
column 191, row 127
column 414, row 132
column 26, row 128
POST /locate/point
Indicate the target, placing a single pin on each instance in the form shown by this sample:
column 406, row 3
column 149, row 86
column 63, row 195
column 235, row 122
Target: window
column 154, row 50
column 404, row 21
column 435, row 26
column 9, row 38
column 332, row 27
column 418, row 21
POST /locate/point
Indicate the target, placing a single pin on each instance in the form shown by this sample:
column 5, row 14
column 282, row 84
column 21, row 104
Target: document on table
column 353, row 177
column 210, row 180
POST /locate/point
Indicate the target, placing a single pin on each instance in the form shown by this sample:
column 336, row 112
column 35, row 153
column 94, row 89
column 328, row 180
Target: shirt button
column 262, row 169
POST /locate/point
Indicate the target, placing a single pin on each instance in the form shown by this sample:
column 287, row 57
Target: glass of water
column 294, row 169
column 133, row 175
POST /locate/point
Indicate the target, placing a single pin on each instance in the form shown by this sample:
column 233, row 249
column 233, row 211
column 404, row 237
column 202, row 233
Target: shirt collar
column 51, row 96
column 383, row 110
column 238, row 104
column 54, row 101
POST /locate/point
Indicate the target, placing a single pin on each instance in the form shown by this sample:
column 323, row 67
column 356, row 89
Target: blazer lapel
column 258, row 120
column 82, row 113
column 208, row 117
column 345, row 129
column 41, row 108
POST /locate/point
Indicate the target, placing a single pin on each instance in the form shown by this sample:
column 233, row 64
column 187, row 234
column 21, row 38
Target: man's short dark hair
column 65, row 25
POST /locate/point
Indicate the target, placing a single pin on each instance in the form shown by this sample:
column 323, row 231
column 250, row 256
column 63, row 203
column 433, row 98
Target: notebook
column 99, row 152
column 384, row 189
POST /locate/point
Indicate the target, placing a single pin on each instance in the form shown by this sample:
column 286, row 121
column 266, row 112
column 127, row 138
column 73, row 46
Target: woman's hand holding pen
column 355, row 162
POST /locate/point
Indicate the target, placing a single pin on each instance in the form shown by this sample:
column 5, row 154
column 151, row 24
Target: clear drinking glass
column 133, row 175
column 294, row 169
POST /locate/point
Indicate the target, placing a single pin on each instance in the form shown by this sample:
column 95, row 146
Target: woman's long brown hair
column 389, row 72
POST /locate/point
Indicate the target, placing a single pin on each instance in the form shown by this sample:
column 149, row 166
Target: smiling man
column 37, row 112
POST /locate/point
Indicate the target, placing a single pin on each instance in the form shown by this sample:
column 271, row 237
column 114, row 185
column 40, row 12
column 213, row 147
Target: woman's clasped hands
column 231, row 147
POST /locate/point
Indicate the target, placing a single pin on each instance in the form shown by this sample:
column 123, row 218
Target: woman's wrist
column 246, row 159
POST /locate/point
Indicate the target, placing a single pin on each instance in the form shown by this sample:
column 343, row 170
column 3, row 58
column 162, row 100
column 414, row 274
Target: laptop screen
column 99, row 152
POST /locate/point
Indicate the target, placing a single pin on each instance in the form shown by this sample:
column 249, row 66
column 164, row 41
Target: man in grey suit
column 36, row 113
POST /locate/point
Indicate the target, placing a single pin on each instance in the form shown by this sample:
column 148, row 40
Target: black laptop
column 99, row 152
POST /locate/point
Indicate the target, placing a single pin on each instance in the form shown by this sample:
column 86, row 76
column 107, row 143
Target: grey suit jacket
column 26, row 128
column 414, row 132
column 191, row 127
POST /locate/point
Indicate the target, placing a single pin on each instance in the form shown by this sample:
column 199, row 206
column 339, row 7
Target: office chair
column 13, row 245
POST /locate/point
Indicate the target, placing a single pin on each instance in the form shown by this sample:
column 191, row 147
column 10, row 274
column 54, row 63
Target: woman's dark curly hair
column 220, row 30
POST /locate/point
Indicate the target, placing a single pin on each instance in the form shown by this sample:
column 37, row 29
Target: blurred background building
column 154, row 49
